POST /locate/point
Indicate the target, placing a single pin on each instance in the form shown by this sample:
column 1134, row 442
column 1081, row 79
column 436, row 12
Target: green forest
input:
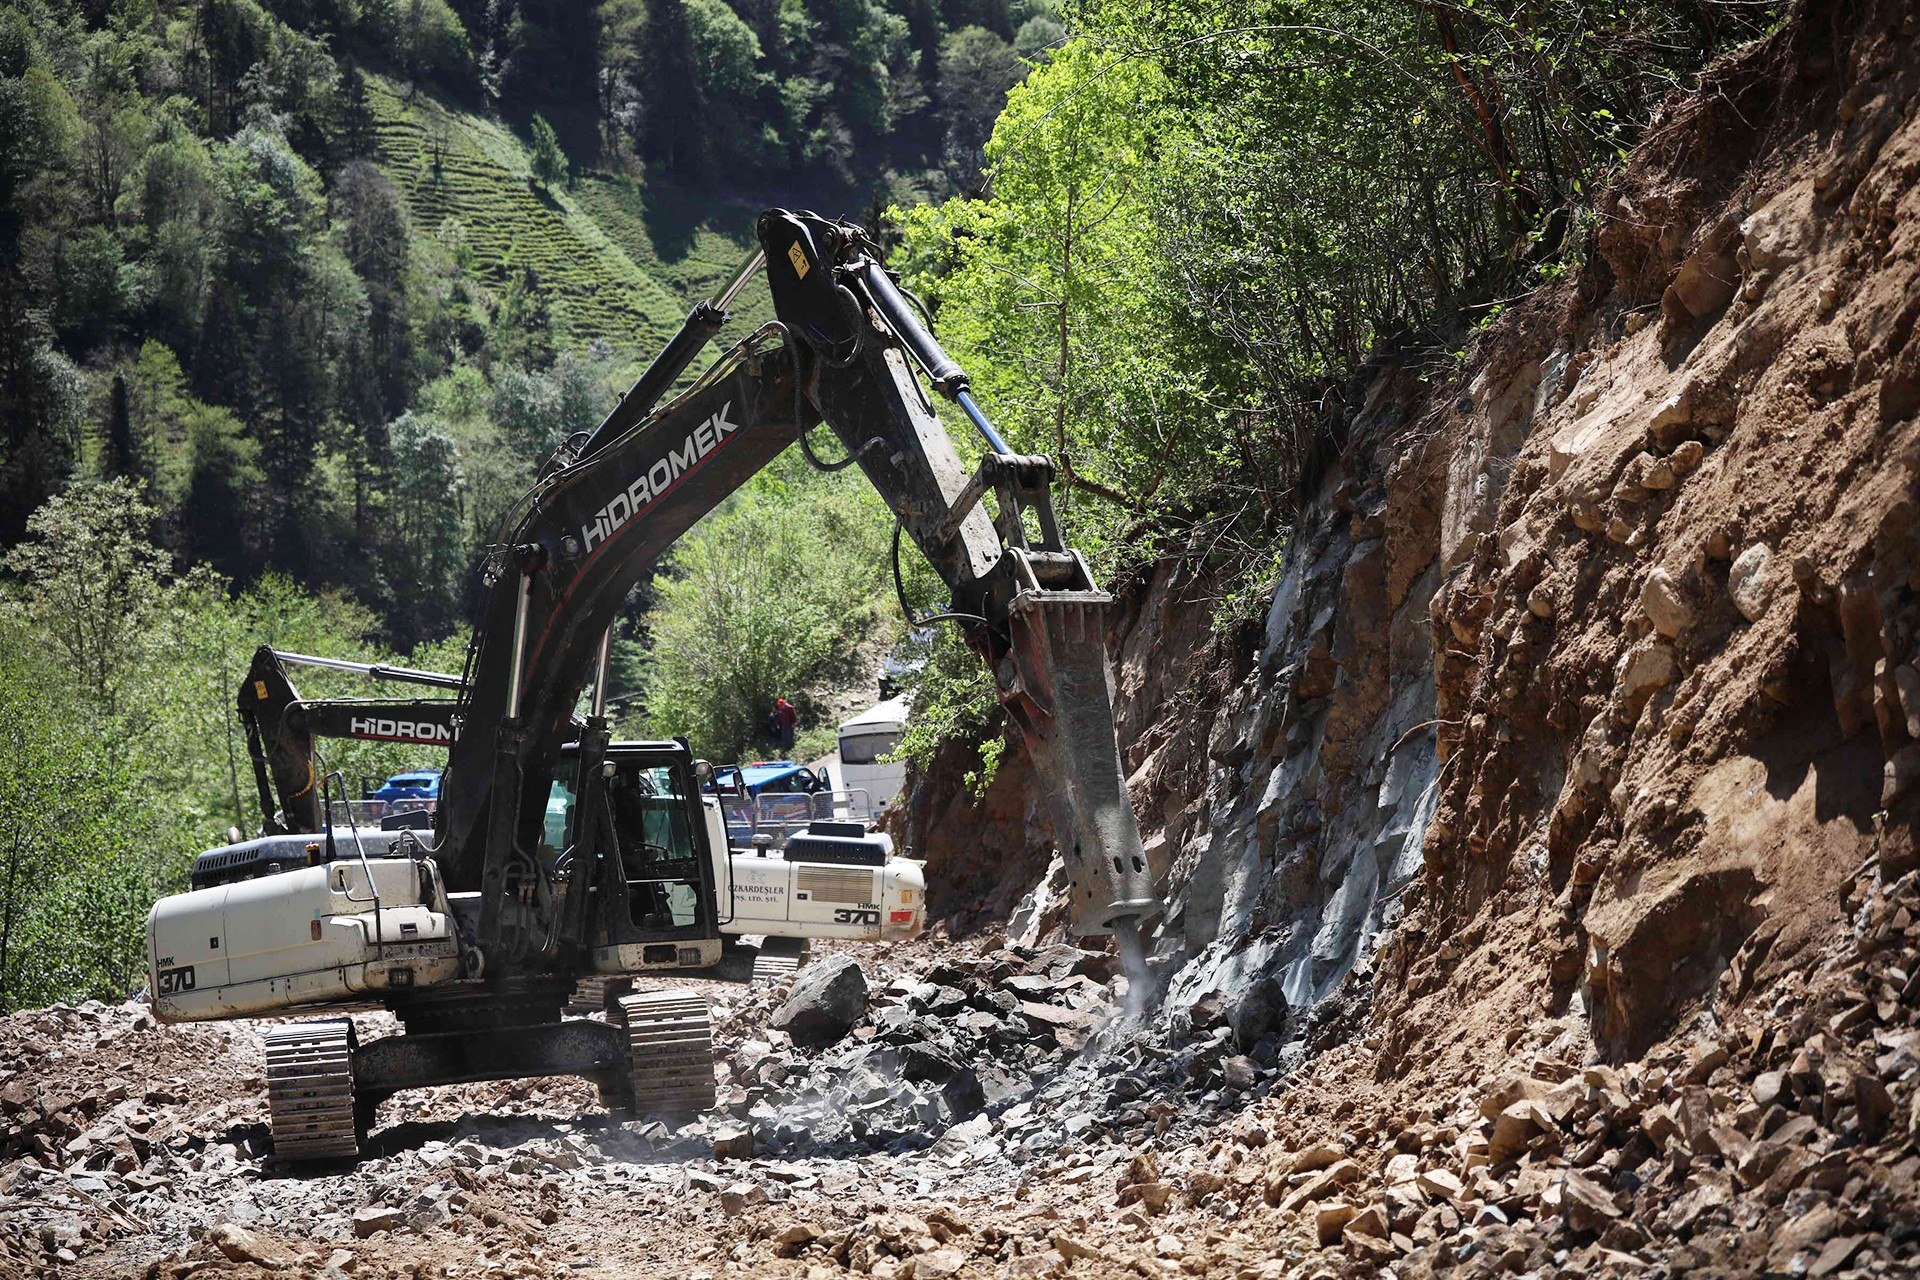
column 296, row 296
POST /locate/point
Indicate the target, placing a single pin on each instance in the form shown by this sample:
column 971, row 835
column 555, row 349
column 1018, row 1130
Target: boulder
column 1239, row 1072
column 1747, row 581
column 1671, row 419
column 242, row 1245
column 827, row 999
column 376, row 1217
column 1664, row 603
column 1643, row 670
column 1208, row 1012
column 1900, row 773
column 1076, row 1249
column 938, row 1264
column 792, row 1239
column 1515, row 1127
column 1586, row 1205
column 1254, row 1013
column 1523, row 1088
column 1320, row 1155
column 1319, row 1187
column 1778, row 233
column 1686, row 457
column 737, row 1198
column 733, row 1142
column 1704, row 284
column 1331, row 1219
column 1370, row 1221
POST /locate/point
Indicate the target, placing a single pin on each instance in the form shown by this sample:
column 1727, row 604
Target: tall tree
column 97, row 609
column 549, row 161
column 670, row 94
column 120, row 456
column 977, row 68
column 371, row 221
column 41, row 402
column 425, row 561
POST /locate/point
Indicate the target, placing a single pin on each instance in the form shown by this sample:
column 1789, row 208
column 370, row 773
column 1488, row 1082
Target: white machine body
column 317, row 935
column 783, row 895
column 357, row 929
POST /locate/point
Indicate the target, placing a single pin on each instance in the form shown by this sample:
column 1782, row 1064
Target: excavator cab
column 659, row 908
column 630, row 836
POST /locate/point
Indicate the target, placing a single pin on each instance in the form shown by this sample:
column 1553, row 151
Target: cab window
column 652, row 828
column 650, row 818
column 557, row 828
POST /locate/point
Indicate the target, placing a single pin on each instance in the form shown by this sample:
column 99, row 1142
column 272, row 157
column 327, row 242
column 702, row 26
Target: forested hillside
column 297, row 295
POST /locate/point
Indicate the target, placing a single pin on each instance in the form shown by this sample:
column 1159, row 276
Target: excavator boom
column 557, row 853
column 847, row 350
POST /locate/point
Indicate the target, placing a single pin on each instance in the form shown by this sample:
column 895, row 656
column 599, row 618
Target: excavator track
column 589, row 995
column 779, row 958
column 669, row 1052
column 310, row 1090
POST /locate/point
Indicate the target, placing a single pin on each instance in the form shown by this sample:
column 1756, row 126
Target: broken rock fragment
column 242, row 1245
column 1747, row 582
column 1586, row 1205
column 1370, row 1221
column 1665, row 604
column 1642, row 671
column 377, row 1217
column 1331, row 1219
column 1514, row 1128
column 827, row 999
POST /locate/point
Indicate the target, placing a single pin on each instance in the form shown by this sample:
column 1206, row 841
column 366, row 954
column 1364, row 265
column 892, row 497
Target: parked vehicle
column 864, row 740
column 416, row 784
column 766, row 796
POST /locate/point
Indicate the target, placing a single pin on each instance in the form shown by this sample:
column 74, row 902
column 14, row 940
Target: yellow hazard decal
column 260, row 690
column 798, row 257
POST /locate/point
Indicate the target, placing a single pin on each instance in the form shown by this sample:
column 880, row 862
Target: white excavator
column 823, row 876
column 556, row 854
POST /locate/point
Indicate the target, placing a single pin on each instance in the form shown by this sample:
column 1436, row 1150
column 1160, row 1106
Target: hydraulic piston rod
column 698, row 329
column 942, row 370
column 373, row 670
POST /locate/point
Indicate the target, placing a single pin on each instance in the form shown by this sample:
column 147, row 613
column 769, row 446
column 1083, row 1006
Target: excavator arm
column 846, row 350
column 281, row 727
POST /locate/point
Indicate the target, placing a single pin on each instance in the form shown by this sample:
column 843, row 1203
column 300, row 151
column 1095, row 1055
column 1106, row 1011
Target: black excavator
column 555, row 853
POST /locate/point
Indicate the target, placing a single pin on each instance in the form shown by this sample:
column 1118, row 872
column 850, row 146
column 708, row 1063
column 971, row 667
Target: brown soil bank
column 1675, row 650
column 1584, row 731
column 1590, row 680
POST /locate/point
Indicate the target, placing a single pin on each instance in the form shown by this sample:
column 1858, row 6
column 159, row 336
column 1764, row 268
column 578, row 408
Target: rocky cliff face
column 1595, row 657
column 1290, row 798
column 1675, row 672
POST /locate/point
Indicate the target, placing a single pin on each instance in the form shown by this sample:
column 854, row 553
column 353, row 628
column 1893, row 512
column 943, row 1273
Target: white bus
column 863, row 740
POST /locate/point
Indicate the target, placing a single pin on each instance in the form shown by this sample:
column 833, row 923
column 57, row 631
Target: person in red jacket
column 784, row 718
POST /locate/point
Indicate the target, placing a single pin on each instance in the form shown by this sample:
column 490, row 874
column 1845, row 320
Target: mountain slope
column 619, row 263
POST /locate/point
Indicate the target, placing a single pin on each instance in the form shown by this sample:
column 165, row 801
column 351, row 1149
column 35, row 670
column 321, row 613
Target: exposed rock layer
column 1598, row 655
